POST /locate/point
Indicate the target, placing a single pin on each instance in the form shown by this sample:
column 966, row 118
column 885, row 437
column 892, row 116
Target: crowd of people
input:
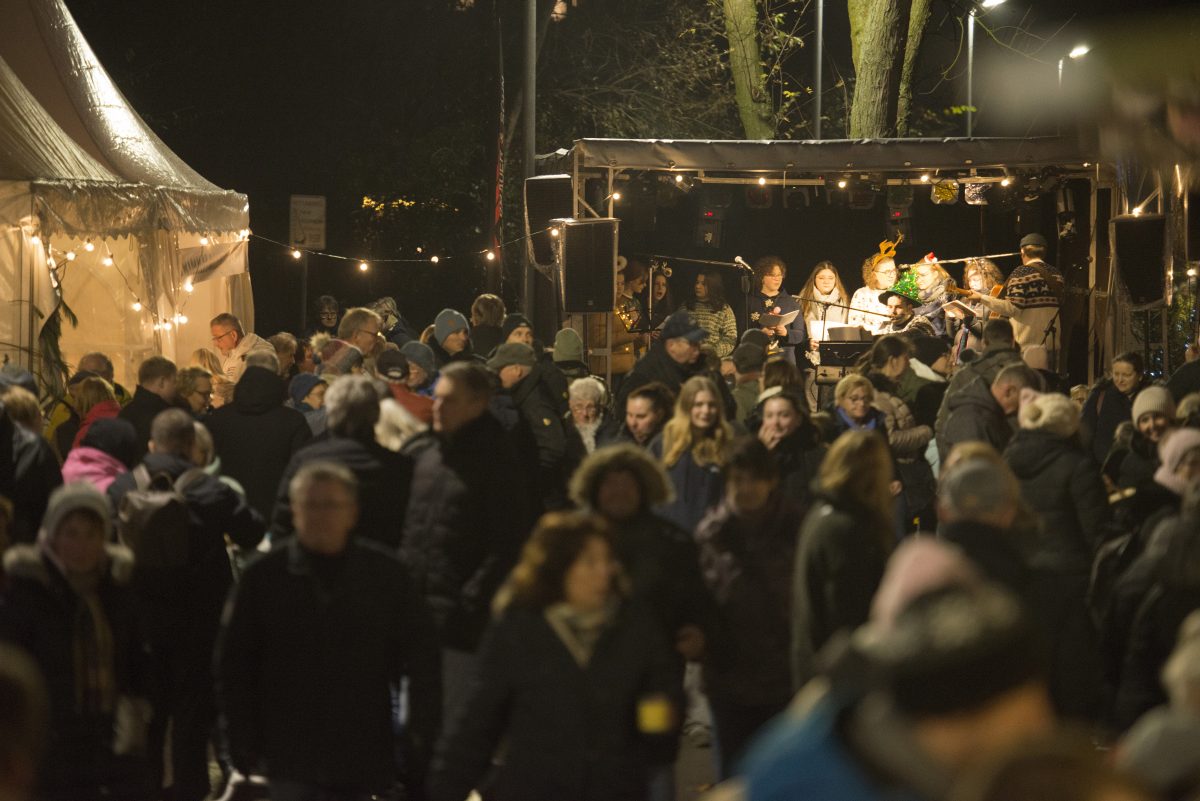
column 374, row 562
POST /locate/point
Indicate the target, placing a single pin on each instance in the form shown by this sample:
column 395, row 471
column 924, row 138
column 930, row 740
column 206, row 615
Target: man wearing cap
column 393, row 368
column 673, row 359
column 451, row 338
column 902, row 298
column 1031, row 298
column 748, row 360
column 515, row 364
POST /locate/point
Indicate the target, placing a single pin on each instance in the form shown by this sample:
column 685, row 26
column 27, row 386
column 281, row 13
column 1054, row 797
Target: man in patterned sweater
column 1031, row 297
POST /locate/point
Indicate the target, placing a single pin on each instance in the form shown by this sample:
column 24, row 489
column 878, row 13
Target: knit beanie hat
column 339, row 357
column 568, row 346
column 116, row 437
column 447, row 322
column 956, row 649
column 421, row 355
column 1171, row 452
column 1053, row 413
column 78, row 496
column 1154, row 399
column 303, row 384
column 514, row 321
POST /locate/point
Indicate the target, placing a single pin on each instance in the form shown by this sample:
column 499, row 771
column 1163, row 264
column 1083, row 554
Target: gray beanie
column 75, row 497
column 447, row 322
column 1154, row 399
column 421, row 355
column 568, row 346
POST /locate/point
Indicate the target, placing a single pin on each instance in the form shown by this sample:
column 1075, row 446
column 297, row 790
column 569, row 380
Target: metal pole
column 970, row 73
column 820, row 57
column 529, row 117
column 304, row 293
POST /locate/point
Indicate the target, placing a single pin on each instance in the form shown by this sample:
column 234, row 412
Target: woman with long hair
column 693, row 446
column 979, row 275
column 707, row 304
column 772, row 298
column 576, row 685
column 823, row 300
column 843, row 546
column 933, row 283
column 794, row 442
column 662, row 302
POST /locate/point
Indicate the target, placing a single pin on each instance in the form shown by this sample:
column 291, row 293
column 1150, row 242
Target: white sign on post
column 308, row 221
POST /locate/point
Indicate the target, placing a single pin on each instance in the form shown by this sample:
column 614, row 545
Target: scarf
column 580, row 631
column 870, row 425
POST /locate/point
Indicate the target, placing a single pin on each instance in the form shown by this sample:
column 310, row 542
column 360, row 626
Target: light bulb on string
column 296, row 254
column 554, row 232
column 434, row 259
column 88, row 246
column 203, row 241
column 678, row 179
column 762, row 181
column 420, row 249
column 1005, row 181
column 35, row 240
column 181, row 319
column 363, row 266
column 167, row 325
column 137, row 306
column 70, row 255
column 490, row 256
column 841, row 184
column 925, row 178
column 188, row 286
column 616, row 195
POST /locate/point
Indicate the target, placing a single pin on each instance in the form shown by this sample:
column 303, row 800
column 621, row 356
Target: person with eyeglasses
column 867, row 311
column 232, row 345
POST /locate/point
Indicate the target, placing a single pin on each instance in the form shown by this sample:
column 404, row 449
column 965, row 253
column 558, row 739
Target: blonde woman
column 693, row 446
column 980, row 275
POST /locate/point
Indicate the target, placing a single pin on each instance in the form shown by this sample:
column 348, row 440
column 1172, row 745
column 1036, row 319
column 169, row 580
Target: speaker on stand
column 547, row 197
column 586, row 273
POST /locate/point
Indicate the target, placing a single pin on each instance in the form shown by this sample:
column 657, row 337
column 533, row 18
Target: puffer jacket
column 908, row 440
column 973, row 415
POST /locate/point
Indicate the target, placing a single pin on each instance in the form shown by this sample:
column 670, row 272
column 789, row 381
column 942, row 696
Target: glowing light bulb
column 762, row 181
column 842, row 184
column 167, row 326
column 88, row 246
column 137, row 306
column 70, row 255
column 616, row 195
column 1137, row 211
column 107, row 261
column 420, row 249
column 187, row 286
column 35, row 240
column 490, row 256
column 434, row 259
column 1191, row 273
column 925, row 178
column 203, row 241
column 553, row 232
column 1078, row 51
column 181, row 319
column 1005, row 181
column 363, row 266
column 296, row 254
column 678, row 179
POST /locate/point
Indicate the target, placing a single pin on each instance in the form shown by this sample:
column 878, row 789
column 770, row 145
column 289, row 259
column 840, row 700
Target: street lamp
column 1078, row 51
column 985, row 5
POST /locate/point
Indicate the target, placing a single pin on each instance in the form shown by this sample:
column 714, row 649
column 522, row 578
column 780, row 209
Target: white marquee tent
column 98, row 214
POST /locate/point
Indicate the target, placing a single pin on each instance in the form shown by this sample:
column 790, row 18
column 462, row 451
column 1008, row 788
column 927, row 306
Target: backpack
column 154, row 521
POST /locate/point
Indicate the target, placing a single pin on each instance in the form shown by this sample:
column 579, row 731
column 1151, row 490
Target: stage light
column 296, row 254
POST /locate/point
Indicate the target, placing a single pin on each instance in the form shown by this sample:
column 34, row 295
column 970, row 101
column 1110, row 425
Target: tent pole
column 818, row 67
column 528, row 114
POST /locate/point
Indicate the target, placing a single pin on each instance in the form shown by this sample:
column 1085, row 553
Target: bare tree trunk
column 745, row 61
column 916, row 29
column 880, row 39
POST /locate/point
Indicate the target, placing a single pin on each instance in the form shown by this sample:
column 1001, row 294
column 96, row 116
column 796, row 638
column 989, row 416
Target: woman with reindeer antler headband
column 879, row 273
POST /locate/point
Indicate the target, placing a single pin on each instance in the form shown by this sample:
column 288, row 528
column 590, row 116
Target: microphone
column 741, row 263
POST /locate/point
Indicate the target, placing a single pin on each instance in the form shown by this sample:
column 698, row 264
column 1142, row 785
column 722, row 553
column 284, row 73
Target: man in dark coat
column 1186, row 379
column 28, row 474
column 183, row 618
column 352, row 408
column 155, row 393
column 999, row 351
column 256, row 436
column 317, row 635
column 559, row 448
column 672, row 360
column 979, row 413
column 467, row 520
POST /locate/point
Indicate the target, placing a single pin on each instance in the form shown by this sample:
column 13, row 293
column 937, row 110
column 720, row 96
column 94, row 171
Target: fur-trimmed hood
column 655, row 483
column 26, row 562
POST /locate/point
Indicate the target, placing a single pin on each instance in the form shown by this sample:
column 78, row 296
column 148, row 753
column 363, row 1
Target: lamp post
column 1077, row 52
column 819, row 66
column 986, row 4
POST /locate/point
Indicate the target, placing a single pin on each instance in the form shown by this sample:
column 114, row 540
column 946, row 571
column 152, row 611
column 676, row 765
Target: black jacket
column 569, row 732
column 1105, row 409
column 256, row 436
column 657, row 365
column 308, row 653
column 441, row 358
column 467, row 520
column 973, row 415
column 485, row 338
column 29, row 472
column 798, row 458
column 39, row 613
column 218, row 511
column 747, row 565
column 987, row 366
column 141, row 411
column 559, row 447
column 996, row 552
column 840, row 556
column 1185, row 380
column 383, row 486
column 1061, row 483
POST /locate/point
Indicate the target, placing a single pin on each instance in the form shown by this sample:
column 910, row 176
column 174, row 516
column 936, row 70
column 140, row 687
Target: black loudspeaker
column 587, row 264
column 1140, row 252
column 547, row 197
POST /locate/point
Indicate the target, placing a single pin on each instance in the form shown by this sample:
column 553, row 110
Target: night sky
column 400, row 98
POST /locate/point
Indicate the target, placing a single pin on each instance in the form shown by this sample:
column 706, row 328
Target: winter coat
column 908, row 440
column 798, row 457
column 468, row 354
column 745, row 398
column 466, row 523
column 698, row 488
column 256, row 436
column 1136, row 467
column 383, row 486
column 308, row 652
column 1105, row 409
column 486, row 338
column 972, row 414
column 1061, row 483
column 568, row 731
column 101, row 411
column 41, row 613
column 92, row 465
column 747, row 564
column 1185, row 380
column 657, row 365
column 987, row 366
column 996, row 552
column 29, row 472
column 840, row 556
column 559, row 448
column 141, row 411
